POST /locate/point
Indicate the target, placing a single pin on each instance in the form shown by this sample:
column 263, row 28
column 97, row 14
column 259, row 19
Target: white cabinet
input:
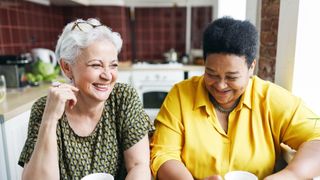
column 3, row 172
column 195, row 73
column 124, row 76
column 14, row 136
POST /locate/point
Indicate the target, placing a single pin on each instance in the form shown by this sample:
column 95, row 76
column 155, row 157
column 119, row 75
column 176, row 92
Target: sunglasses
column 84, row 26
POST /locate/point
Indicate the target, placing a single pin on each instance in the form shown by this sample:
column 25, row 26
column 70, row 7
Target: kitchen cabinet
column 3, row 172
column 124, row 76
column 14, row 117
column 14, row 137
column 195, row 73
column 128, row 3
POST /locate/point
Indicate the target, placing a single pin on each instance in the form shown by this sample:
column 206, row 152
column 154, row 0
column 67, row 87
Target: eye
column 95, row 65
column 212, row 76
column 232, row 78
column 113, row 65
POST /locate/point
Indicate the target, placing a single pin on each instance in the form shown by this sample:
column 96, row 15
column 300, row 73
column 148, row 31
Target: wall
column 115, row 17
column 25, row 25
column 268, row 39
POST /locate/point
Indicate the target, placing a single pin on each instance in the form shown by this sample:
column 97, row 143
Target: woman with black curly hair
column 229, row 119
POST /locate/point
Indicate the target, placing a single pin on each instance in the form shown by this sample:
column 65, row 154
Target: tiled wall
column 200, row 18
column 158, row 30
column 114, row 17
column 24, row 26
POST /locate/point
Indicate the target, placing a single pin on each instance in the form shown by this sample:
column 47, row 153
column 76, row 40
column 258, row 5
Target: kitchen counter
column 18, row 101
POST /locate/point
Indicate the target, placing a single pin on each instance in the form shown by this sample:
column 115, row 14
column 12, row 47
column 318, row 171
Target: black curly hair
column 230, row 36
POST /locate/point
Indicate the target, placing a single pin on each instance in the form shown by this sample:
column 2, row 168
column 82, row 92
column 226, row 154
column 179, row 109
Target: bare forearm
column 43, row 163
column 173, row 170
column 140, row 171
column 306, row 162
column 304, row 165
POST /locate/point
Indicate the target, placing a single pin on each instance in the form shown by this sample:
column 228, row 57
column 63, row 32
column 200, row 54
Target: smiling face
column 226, row 77
column 95, row 70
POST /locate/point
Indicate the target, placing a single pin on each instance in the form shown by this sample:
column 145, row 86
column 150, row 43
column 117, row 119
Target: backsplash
column 25, row 25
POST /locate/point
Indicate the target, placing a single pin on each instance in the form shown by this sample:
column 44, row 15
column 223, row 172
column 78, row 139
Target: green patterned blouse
column 123, row 124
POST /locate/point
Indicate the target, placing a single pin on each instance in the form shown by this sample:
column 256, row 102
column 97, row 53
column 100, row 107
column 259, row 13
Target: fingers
column 59, row 97
column 57, row 84
column 214, row 177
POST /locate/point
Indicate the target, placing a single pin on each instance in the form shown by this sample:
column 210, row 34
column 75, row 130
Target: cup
column 240, row 175
column 98, row 176
column 3, row 88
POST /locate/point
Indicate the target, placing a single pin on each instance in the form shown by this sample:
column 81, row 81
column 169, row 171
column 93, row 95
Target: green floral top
column 123, row 124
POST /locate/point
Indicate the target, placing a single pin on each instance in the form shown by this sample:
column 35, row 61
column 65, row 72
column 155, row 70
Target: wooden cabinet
column 14, row 133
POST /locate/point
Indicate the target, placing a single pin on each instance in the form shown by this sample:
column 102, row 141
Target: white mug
column 240, row 175
column 98, row 176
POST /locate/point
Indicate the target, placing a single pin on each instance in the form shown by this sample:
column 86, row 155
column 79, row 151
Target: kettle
column 171, row 56
column 45, row 55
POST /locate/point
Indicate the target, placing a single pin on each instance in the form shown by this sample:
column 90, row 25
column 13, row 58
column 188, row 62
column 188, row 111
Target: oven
column 153, row 82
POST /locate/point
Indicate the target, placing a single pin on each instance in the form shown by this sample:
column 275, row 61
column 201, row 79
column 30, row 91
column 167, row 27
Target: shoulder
column 189, row 84
column 123, row 93
column 267, row 88
column 40, row 103
column 123, row 88
column 273, row 95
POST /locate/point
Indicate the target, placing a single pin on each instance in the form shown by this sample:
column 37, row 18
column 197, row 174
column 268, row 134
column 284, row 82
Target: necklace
column 221, row 109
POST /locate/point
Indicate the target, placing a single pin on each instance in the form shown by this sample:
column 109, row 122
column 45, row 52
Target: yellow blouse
column 187, row 129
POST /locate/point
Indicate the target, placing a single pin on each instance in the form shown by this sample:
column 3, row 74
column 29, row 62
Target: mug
column 240, row 175
column 98, row 176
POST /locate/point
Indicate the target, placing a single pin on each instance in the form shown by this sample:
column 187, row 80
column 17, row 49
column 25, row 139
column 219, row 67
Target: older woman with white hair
column 91, row 124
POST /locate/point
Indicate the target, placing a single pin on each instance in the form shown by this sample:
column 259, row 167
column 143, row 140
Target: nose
column 106, row 74
column 221, row 84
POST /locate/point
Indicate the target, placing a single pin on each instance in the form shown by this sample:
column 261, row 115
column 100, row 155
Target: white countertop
column 20, row 100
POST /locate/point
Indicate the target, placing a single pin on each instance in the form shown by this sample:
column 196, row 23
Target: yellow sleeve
column 291, row 119
column 167, row 140
column 303, row 127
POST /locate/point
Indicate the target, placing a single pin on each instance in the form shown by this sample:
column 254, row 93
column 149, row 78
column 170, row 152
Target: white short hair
column 80, row 34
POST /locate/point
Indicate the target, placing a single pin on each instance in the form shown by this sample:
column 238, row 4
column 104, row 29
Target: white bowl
column 98, row 176
column 240, row 175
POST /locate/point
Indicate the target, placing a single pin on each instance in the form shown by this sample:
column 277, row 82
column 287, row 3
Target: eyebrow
column 112, row 61
column 213, row 71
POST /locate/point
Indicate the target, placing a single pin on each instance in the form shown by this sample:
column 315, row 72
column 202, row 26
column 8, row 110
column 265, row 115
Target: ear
column 251, row 69
column 66, row 68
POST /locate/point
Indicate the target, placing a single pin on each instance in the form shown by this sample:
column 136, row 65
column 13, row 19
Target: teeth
column 102, row 85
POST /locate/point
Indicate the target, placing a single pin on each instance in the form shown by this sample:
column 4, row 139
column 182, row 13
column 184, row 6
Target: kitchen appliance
column 45, row 55
column 13, row 68
column 153, row 82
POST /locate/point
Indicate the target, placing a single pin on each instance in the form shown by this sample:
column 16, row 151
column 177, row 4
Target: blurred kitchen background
column 162, row 46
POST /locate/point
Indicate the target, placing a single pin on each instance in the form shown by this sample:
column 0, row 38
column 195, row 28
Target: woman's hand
column 214, row 177
column 59, row 97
